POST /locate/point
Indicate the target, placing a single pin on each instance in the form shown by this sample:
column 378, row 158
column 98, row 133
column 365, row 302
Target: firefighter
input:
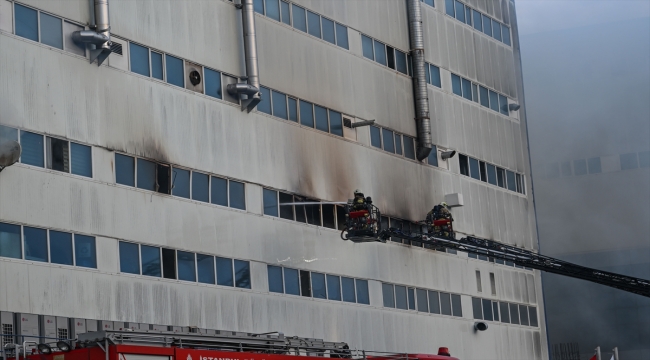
column 440, row 212
column 359, row 203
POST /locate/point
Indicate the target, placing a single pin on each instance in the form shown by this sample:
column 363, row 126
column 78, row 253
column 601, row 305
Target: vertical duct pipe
column 420, row 92
column 98, row 38
column 250, row 56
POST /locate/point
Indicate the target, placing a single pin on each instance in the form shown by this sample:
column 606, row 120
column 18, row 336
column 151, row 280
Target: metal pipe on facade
column 98, row 38
column 250, row 56
column 420, row 91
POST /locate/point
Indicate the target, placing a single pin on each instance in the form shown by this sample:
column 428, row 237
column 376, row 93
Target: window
column 150, row 257
column 422, row 301
column 333, row 287
column 478, row 281
column 380, row 53
column 435, row 76
column 495, row 310
column 409, row 147
column 455, row 85
column 286, row 211
column 478, row 24
column 400, row 297
column 299, row 18
column 514, row 314
column 85, row 251
column 224, row 271
column 313, row 213
column 477, row 308
column 494, row 101
column 318, row 288
column 270, row 199
column 644, row 159
column 532, row 314
column 305, row 283
column 565, row 168
column 7, row 133
column 258, row 6
column 82, row 162
column 363, row 296
column 200, row 187
column 464, row 164
column 174, row 67
column 388, row 293
column 398, row 144
column 279, row 105
column 428, row 2
column 432, row 159
column 306, row 114
column 10, row 245
column 389, row 140
column 342, row 36
column 61, row 248
column 484, row 97
column 336, row 123
column 26, row 22
column 366, row 44
column 506, row 34
column 503, row 105
column 124, row 170
column 276, row 284
column 313, row 24
column 474, row 169
column 32, row 148
column 181, row 183
column 328, row 216
column 169, row 263
column 505, row 313
column 212, row 80
column 272, row 9
column 449, row 7
column 58, row 155
column 594, row 165
column 411, row 298
column 347, row 285
column 434, row 302
column 467, row 88
column 523, row 315
column 36, row 244
column 487, row 310
column 445, row 303
column 520, row 184
column 496, row 30
column 482, row 170
column 129, row 258
column 580, row 166
column 284, row 10
column 493, row 285
column 291, row 282
column 375, row 137
column 475, row 92
column 265, row 104
column 400, row 62
column 156, row 65
column 328, row 31
column 205, row 268
column 186, row 265
column 146, row 175
column 242, row 274
column 512, row 186
column 321, row 118
column 51, row 31
column 628, row 161
column 236, row 195
column 219, row 190
column 487, row 26
column 293, row 109
column 139, row 56
column 460, row 11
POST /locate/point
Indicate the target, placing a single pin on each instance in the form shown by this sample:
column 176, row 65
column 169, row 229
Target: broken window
column 286, row 211
column 482, row 171
column 291, row 282
column 181, row 183
column 58, row 155
column 328, row 216
column 205, row 268
column 224, row 271
column 305, row 283
column 242, row 274
column 169, row 263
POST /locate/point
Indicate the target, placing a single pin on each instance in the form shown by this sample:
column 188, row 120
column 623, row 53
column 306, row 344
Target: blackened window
column 514, row 314
column 482, row 170
column 174, row 68
column 224, row 271
column 305, row 283
column 435, row 76
column 512, row 185
column 293, row 109
column 306, row 114
column 434, row 302
column 347, row 286
column 139, row 56
column 336, row 123
column 219, row 190
column 181, row 183
column 286, row 211
column 299, row 18
column 150, row 257
column 375, row 137
column 51, row 31
column 328, row 31
column 169, row 263
column 400, row 297
column 318, row 288
column 340, row 217
column 313, row 24
column 409, row 147
column 58, row 155
column 342, row 36
column 329, row 216
column 265, row 104
column 129, row 258
column 390, row 57
column 388, row 293
column 272, row 9
column 505, row 312
column 363, row 296
column 366, row 44
column 477, row 308
column 389, row 140
column 163, row 178
column 313, row 213
column 333, row 287
column 432, row 159
column 474, row 169
column 456, row 85
column 85, row 251
column 276, row 283
column 279, row 105
column 156, row 65
column 36, row 244
column 82, row 163
column 501, row 174
column 61, row 248
column 320, row 114
column 242, row 274
column 205, row 268
column 237, row 196
column 291, row 281
column 422, row 301
column 212, row 83
column 200, row 186
column 186, row 266
column 32, row 148
column 445, row 303
column 270, row 199
column 594, row 165
column 487, row 309
column 26, row 22
column 301, row 214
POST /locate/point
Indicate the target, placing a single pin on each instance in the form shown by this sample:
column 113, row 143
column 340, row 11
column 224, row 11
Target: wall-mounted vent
column 347, row 123
column 62, row 333
column 7, row 329
column 116, row 48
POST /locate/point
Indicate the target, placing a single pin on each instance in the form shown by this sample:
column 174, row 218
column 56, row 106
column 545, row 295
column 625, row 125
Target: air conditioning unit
column 27, row 326
column 92, row 325
column 104, row 325
column 47, row 328
column 62, row 328
column 7, row 327
column 77, row 326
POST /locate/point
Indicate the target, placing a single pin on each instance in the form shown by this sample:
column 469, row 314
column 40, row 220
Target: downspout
column 421, row 95
column 98, row 38
column 251, row 89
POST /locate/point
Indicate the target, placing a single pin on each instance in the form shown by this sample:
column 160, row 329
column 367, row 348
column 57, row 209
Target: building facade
column 145, row 198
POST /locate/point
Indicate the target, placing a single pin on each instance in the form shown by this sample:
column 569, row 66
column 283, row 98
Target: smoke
column 587, row 89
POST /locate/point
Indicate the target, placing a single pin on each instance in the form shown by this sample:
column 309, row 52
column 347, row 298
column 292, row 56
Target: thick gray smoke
column 588, row 106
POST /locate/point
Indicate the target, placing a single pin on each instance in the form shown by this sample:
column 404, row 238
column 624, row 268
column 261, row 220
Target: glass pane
column 275, row 279
column 270, row 199
column 487, row 25
column 474, row 169
column 468, row 16
column 411, row 298
column 389, row 140
column 398, row 144
column 532, row 312
column 242, row 274
column 475, row 92
column 169, row 263
column 174, row 68
column 26, row 22
column 224, row 271
column 58, row 154
column 212, row 83
column 400, row 297
column 313, row 214
column 273, row 9
column 286, row 211
column 36, row 244
column 478, row 24
column 477, row 308
column 333, row 287
column 139, row 56
column 505, row 313
column 265, row 104
column 186, row 266
column 336, row 123
column 388, row 295
column 363, row 296
column 380, row 53
column 449, row 7
column 61, row 248
column 328, row 216
column 328, row 31
column 146, row 175
column 375, row 137
column 505, row 31
column 460, row 11
column 366, row 45
column 432, row 159
column 51, row 31
column 523, row 315
column 495, row 310
column 445, row 303
column 306, row 114
column 237, row 197
column 85, row 251
column 321, row 118
column 342, row 36
column 422, row 301
column 129, row 258
column 258, row 6
column 156, row 65
column 456, row 307
column 150, row 257
column 503, row 104
column 496, row 30
column 82, row 162
column 293, row 109
column 501, row 175
column 284, row 9
column 291, row 282
column 10, row 241
column 219, row 190
column 279, row 105
column 409, row 147
column 467, row 89
column 455, row 85
column 32, row 148
column 487, row 309
column 347, row 284
column 594, row 165
column 299, row 18
column 181, row 182
column 494, row 101
column 340, row 217
column 313, row 24
column 435, row 75
column 512, row 186
column 484, row 97
column 463, row 162
column 434, row 302
column 200, row 187
column 400, row 62
column 7, row 133
column 205, row 268
column 318, row 286
column 491, row 174
column 305, row 283
column 514, row 314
